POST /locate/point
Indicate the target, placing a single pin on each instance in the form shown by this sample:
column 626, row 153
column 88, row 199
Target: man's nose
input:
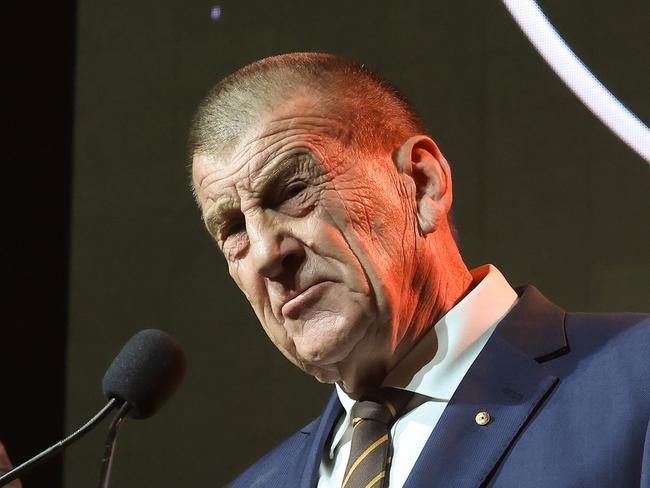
column 274, row 251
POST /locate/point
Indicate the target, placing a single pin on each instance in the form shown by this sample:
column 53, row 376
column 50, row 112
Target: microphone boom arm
column 59, row 446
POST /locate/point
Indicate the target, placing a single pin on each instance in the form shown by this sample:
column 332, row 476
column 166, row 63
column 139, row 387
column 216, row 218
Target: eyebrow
column 279, row 171
column 215, row 217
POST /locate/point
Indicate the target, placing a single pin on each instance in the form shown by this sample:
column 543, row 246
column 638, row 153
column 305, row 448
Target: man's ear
column 424, row 169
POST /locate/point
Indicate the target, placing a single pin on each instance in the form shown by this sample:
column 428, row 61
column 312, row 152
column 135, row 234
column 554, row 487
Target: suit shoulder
column 618, row 341
column 278, row 466
column 624, row 326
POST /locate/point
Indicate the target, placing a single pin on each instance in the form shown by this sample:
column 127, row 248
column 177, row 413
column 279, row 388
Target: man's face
column 316, row 237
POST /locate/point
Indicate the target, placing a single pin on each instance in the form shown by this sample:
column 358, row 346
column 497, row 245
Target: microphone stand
column 109, row 448
column 59, row 446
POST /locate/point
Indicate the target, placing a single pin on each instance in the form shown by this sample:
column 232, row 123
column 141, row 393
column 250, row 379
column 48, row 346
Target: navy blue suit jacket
column 569, row 397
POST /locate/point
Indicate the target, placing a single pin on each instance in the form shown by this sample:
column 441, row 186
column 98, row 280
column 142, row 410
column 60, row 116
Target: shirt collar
column 460, row 336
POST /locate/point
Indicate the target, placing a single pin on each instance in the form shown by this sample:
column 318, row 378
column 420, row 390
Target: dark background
column 102, row 238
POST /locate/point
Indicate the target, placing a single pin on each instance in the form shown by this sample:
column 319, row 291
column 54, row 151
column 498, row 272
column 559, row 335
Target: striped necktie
column 371, row 453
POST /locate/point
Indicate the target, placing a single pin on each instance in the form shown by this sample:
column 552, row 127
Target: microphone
column 145, row 373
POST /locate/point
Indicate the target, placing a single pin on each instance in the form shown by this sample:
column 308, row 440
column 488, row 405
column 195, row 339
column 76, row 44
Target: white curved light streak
column 578, row 78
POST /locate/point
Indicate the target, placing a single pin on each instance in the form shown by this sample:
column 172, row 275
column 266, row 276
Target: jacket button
column 483, row 418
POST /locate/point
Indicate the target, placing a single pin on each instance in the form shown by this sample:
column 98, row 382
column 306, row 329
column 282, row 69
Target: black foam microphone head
column 146, row 372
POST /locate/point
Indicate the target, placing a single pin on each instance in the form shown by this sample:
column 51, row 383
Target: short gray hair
column 376, row 114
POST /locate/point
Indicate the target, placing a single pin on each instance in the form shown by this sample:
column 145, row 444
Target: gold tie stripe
column 371, row 449
column 361, row 457
column 377, row 478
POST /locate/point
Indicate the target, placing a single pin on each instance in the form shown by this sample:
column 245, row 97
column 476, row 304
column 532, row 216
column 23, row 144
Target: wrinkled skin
column 323, row 242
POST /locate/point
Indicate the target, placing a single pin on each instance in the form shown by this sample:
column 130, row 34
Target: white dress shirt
column 460, row 336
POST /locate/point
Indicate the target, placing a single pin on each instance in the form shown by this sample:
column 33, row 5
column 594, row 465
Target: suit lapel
column 535, row 326
column 323, row 428
column 507, row 382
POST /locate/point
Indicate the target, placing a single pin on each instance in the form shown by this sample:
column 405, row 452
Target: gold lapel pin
column 483, row 418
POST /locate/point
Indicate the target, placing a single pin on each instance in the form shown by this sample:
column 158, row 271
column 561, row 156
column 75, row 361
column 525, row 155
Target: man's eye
column 233, row 228
column 233, row 239
column 295, row 189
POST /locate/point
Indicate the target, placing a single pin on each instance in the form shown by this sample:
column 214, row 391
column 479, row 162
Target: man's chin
column 327, row 339
column 329, row 374
column 323, row 353
column 324, row 363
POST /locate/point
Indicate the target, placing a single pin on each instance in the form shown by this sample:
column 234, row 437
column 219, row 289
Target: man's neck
column 416, row 351
column 444, row 283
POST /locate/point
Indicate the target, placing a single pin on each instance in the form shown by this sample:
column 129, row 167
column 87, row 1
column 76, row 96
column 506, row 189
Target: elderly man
column 331, row 206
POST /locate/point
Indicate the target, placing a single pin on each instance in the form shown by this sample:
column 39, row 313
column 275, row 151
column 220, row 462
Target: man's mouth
column 292, row 307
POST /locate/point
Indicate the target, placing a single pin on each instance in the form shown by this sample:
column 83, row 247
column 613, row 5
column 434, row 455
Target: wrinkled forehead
column 297, row 127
